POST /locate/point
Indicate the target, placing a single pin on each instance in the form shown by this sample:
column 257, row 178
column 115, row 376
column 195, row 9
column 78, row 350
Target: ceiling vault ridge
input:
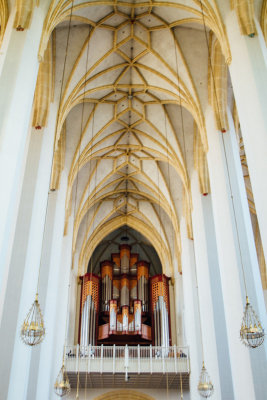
column 138, row 71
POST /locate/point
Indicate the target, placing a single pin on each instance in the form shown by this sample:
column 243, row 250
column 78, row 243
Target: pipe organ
column 124, row 304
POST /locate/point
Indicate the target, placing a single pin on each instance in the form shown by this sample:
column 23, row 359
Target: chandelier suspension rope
column 78, row 380
column 251, row 332
column 81, row 133
column 88, row 191
column 172, row 233
column 62, row 386
column 86, row 375
column 181, row 387
column 81, row 130
column 205, row 386
column 128, row 140
column 33, row 330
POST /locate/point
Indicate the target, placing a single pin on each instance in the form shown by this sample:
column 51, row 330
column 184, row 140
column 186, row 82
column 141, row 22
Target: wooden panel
column 103, row 332
column 146, row 332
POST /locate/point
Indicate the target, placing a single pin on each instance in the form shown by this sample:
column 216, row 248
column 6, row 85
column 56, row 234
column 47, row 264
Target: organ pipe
column 89, row 308
column 142, row 282
column 113, row 316
column 160, row 310
column 137, row 316
column 125, row 251
column 131, row 302
column 106, row 276
column 125, row 291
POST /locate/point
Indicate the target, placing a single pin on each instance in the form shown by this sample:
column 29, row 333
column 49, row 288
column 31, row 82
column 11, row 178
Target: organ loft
column 124, row 304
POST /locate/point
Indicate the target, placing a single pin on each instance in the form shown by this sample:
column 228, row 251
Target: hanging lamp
column 205, row 386
column 251, row 332
column 62, row 384
column 33, row 330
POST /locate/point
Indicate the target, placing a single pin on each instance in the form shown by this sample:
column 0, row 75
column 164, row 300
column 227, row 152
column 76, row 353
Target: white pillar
column 20, row 370
column 217, row 301
column 248, row 250
column 56, row 302
column 249, row 79
column 204, row 288
column 242, row 376
column 17, row 82
column 191, row 315
column 8, row 323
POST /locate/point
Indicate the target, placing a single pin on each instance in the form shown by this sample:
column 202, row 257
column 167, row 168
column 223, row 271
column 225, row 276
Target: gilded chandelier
column 62, row 384
column 33, row 330
column 251, row 332
column 205, row 386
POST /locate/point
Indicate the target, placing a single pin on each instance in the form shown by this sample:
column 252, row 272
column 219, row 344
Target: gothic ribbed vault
column 130, row 124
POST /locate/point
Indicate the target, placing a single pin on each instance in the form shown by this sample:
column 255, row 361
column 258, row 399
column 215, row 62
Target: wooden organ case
column 124, row 305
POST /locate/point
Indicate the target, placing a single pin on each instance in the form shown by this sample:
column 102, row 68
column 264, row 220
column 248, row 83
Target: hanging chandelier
column 251, row 332
column 33, row 330
column 205, row 386
column 62, row 384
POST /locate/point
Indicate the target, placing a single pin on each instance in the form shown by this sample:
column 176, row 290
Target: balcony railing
column 131, row 366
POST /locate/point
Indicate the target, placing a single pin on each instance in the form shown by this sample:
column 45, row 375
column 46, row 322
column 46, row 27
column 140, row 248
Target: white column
column 204, row 288
column 20, row 370
column 191, row 316
column 249, row 79
column 8, row 323
column 242, row 376
column 217, row 301
column 56, row 302
column 248, row 250
column 17, row 82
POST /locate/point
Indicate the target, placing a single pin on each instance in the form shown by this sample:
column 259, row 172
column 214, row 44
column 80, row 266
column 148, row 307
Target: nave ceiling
column 130, row 126
column 130, row 163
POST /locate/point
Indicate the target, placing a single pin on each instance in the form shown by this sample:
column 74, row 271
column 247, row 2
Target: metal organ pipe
column 133, row 262
column 142, row 279
column 116, row 259
column 113, row 316
column 107, row 277
column 125, row 253
column 89, row 309
column 137, row 316
column 127, row 294
column 160, row 307
column 125, row 291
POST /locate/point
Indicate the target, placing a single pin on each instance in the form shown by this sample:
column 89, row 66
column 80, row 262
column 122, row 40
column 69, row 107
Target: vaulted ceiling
column 131, row 80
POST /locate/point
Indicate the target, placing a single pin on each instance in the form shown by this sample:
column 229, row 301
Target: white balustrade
column 127, row 359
